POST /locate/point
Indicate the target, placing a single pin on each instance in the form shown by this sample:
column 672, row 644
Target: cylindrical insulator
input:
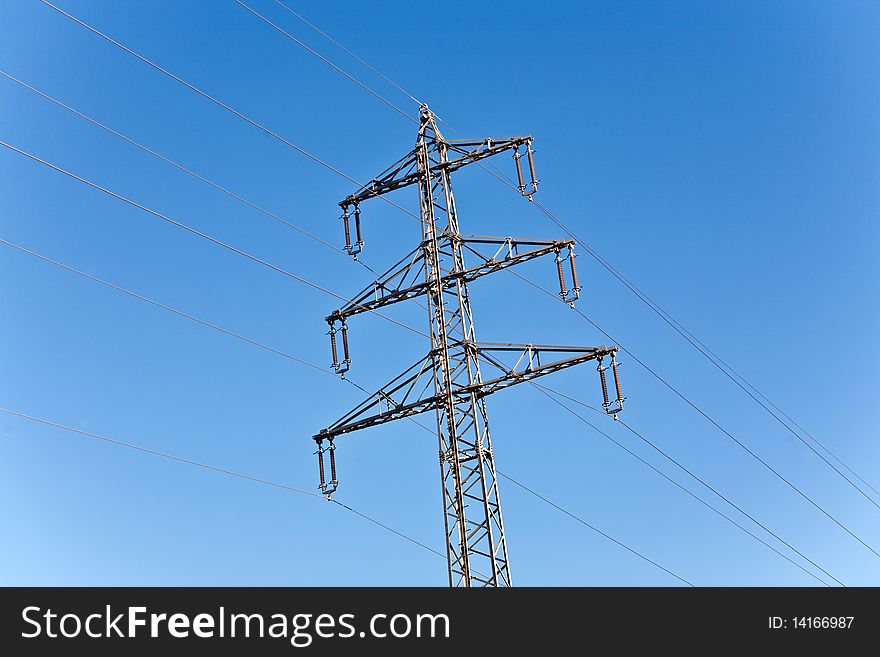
column 347, row 231
column 345, row 342
column 333, row 348
column 561, row 276
column 616, row 379
column 605, row 401
column 332, row 463
column 574, row 271
column 519, row 177
column 531, row 167
column 357, row 224
column 321, row 465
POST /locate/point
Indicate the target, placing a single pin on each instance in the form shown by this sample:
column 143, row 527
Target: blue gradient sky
column 725, row 156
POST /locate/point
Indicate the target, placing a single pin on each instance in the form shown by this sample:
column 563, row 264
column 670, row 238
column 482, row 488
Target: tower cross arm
column 407, row 394
column 405, row 280
column 529, row 362
column 404, row 172
column 471, row 151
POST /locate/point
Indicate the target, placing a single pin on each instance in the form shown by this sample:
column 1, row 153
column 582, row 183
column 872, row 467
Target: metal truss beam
column 406, row 394
column 405, row 172
column 397, row 284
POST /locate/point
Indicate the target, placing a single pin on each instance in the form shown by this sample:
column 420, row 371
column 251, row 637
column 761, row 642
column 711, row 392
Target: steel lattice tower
column 450, row 378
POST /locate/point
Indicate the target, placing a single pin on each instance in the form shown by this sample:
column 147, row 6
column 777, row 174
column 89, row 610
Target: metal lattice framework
column 457, row 374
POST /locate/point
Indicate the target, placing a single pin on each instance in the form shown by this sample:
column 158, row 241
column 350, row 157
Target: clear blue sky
column 725, row 156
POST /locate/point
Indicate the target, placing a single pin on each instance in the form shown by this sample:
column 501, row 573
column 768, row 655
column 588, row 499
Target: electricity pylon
column 458, row 373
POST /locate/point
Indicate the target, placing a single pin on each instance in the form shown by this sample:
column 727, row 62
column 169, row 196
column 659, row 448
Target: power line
column 709, row 355
column 157, row 304
column 154, row 452
column 787, row 417
column 243, row 117
column 547, row 391
column 339, row 45
column 205, row 236
column 270, row 349
column 301, row 151
column 809, row 435
column 213, row 468
column 328, row 62
column 184, row 169
column 388, row 528
column 167, row 160
column 595, row 529
column 180, row 313
column 742, row 445
column 725, row 498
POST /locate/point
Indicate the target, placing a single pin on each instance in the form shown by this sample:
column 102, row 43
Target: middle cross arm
column 405, row 280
